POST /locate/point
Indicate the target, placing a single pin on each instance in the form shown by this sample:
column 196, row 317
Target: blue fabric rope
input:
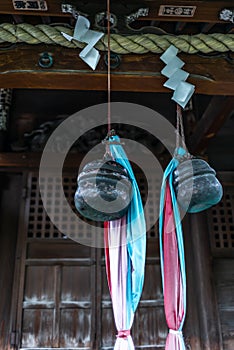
column 136, row 230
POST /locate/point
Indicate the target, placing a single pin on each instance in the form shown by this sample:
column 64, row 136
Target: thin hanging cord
column 108, row 68
column 179, row 128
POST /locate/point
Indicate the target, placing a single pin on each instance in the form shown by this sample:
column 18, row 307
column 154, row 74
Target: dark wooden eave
column 19, row 64
column 205, row 11
column 19, row 69
column 30, row 160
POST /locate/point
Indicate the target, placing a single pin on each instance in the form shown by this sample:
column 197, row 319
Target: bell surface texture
column 104, row 191
column 196, row 185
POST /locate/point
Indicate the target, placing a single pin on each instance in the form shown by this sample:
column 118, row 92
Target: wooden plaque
column 176, row 11
column 30, row 5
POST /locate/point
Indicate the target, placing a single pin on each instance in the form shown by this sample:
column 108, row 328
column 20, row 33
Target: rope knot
column 176, row 332
column 123, row 334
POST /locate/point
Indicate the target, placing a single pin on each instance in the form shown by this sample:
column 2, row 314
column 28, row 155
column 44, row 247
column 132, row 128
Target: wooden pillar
column 10, row 197
column 204, row 297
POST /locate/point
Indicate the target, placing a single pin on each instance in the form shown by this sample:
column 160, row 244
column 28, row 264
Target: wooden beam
column 29, row 160
column 19, row 69
column 217, row 112
column 205, row 11
column 20, row 161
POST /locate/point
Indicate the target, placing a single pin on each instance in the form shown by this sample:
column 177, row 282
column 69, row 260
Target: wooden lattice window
column 221, row 224
column 40, row 225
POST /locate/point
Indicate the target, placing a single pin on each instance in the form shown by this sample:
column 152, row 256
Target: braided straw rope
column 138, row 44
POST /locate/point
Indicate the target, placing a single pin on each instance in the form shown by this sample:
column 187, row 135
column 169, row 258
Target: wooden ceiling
column 212, row 74
column 19, row 62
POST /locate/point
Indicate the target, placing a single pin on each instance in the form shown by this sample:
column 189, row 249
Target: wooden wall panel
column 75, row 328
column 10, row 187
column 108, row 329
column 36, row 331
column 149, row 329
column 39, row 285
column 221, row 233
column 224, row 281
column 202, row 325
column 76, row 284
column 37, row 250
column 67, row 274
column 57, row 305
column 152, row 286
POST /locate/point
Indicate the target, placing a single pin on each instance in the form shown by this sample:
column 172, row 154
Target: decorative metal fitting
column 227, row 15
column 114, row 60
column 45, row 60
column 69, row 8
column 101, row 20
column 142, row 12
column 120, row 18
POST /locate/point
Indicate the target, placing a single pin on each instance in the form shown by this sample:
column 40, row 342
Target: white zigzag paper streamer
column 177, row 76
column 82, row 33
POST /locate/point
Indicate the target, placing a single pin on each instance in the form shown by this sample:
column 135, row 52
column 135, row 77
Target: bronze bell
column 196, row 185
column 104, row 191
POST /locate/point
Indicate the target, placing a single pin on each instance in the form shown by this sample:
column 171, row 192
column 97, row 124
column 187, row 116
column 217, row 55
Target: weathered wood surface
column 10, row 188
column 19, row 69
column 200, row 268
column 205, row 10
column 17, row 160
column 224, row 281
column 62, row 275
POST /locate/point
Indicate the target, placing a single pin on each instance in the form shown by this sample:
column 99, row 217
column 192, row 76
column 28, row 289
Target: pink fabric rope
column 123, row 334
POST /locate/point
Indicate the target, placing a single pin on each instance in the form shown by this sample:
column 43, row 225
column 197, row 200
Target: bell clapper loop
column 107, row 155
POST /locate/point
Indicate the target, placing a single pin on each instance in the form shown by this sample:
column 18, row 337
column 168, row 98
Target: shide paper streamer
column 177, row 76
column 82, row 33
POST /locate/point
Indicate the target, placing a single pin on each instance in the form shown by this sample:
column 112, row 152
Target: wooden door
column 61, row 294
column 55, row 280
